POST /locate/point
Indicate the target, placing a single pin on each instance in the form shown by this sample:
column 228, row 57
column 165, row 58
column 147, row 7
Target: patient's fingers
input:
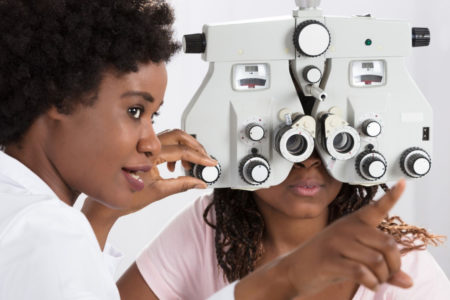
column 374, row 213
column 386, row 246
column 401, row 279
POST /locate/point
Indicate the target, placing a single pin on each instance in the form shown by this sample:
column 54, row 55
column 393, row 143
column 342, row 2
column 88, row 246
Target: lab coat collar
column 20, row 175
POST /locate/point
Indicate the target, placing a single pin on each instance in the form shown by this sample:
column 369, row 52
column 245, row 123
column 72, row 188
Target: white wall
column 426, row 202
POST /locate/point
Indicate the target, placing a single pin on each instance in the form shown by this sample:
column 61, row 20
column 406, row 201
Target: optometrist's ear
column 57, row 114
column 54, row 113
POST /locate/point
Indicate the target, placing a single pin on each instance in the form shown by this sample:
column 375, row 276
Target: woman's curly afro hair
column 52, row 52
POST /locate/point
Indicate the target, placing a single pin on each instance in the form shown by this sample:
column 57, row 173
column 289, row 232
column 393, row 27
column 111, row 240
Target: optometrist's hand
column 176, row 145
column 351, row 249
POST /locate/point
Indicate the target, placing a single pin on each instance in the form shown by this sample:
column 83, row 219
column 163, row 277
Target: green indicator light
column 368, row 42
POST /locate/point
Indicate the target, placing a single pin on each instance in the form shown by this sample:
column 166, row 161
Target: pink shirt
column 181, row 264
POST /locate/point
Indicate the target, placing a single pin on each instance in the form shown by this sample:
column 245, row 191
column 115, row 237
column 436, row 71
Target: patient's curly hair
column 53, row 52
column 239, row 226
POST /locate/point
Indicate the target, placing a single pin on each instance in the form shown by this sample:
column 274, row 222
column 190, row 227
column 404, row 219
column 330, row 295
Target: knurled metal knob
column 194, row 43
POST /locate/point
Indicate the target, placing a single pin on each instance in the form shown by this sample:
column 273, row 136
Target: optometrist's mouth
column 306, row 188
column 133, row 176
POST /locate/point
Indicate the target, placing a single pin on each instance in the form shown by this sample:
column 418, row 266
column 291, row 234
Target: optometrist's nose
column 149, row 143
column 312, row 161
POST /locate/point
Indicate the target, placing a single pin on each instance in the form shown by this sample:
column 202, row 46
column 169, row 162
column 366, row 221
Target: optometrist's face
column 306, row 192
column 101, row 150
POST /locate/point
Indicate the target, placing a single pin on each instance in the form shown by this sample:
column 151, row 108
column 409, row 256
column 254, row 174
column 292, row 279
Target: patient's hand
column 352, row 249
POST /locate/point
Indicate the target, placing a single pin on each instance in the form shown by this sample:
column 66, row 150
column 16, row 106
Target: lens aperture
column 343, row 142
column 296, row 144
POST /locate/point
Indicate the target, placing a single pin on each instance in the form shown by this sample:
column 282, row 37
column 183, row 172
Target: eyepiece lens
column 296, row 145
column 343, row 142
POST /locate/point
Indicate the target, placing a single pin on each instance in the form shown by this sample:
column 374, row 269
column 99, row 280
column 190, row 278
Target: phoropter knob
column 254, row 169
column 420, row 37
column 312, row 38
column 371, row 128
column 415, row 162
column 255, row 132
column 210, row 175
column 371, row 165
column 312, row 74
column 194, row 43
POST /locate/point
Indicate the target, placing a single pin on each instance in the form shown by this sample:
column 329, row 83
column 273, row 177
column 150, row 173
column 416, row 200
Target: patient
column 223, row 237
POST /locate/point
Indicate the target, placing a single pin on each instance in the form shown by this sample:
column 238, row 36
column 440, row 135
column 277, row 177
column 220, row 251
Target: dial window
column 251, row 77
column 368, row 73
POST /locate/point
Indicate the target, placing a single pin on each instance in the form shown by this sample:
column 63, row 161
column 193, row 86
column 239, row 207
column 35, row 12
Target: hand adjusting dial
column 254, row 169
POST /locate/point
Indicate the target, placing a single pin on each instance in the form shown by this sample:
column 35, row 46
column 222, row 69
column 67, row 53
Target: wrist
column 283, row 277
column 272, row 281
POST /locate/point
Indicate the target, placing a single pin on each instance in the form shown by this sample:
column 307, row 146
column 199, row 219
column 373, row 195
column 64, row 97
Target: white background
column 426, row 202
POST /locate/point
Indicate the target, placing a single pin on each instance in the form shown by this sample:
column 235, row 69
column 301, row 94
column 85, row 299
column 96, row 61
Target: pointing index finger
column 374, row 213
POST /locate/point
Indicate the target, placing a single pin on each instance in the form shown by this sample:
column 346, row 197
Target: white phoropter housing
column 369, row 123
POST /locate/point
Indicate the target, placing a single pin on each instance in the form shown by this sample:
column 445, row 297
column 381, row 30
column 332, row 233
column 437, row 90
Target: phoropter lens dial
column 312, row 38
column 415, row 162
column 254, row 169
column 210, row 175
column 371, row 165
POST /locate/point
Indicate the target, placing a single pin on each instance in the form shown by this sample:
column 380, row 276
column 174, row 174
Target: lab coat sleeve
column 50, row 253
column 112, row 257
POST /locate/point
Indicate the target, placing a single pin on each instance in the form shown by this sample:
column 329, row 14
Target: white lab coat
column 48, row 249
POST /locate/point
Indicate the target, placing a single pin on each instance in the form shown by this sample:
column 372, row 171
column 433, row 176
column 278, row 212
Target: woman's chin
column 304, row 210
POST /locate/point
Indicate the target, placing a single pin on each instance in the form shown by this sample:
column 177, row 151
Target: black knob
column 420, row 37
column 194, row 43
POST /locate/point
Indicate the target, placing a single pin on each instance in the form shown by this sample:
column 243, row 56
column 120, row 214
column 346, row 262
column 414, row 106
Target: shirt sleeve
column 51, row 253
column 180, row 262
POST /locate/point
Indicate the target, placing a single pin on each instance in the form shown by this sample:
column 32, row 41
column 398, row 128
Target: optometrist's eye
column 156, row 114
column 135, row 112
